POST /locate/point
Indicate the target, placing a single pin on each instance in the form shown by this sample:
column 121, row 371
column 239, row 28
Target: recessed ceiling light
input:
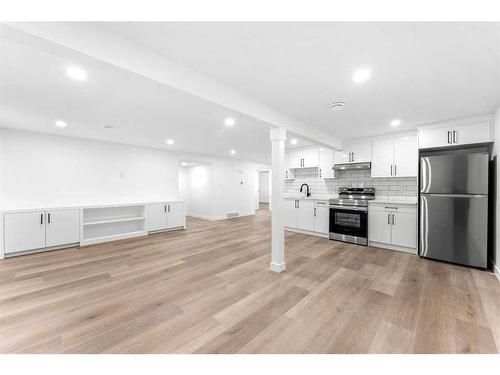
column 229, row 121
column 184, row 163
column 232, row 152
column 361, row 75
column 293, row 141
column 60, row 123
column 395, row 122
column 170, row 142
column 76, row 73
column 336, row 106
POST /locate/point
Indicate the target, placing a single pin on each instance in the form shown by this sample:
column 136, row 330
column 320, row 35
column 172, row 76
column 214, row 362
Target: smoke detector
column 337, row 106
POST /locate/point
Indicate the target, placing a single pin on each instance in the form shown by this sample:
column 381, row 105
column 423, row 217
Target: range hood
column 352, row 166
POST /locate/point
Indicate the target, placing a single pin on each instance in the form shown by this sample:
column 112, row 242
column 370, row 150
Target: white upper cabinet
column 449, row 134
column 354, row 152
column 302, row 158
column 383, row 158
column 394, row 157
column 325, row 163
column 405, row 156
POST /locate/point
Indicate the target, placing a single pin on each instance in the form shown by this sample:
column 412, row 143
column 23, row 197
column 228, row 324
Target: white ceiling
column 35, row 91
column 421, row 72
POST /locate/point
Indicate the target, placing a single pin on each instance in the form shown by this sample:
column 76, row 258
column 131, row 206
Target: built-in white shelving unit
column 107, row 223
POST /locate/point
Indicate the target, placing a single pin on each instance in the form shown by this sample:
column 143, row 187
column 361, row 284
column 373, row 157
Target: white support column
column 278, row 138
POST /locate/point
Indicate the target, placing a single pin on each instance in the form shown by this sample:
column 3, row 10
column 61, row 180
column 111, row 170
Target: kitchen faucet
column 307, row 190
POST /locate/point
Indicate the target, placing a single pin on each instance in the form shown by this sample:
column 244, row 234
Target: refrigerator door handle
column 458, row 195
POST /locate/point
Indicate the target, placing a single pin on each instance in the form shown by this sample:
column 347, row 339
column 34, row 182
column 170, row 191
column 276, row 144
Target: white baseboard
column 278, row 267
column 317, row 234
column 496, row 270
column 392, row 247
column 216, row 218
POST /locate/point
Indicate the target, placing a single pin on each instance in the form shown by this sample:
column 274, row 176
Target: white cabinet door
column 156, row 216
column 379, row 226
column 305, row 215
column 325, row 163
column 434, row 137
column 341, row 157
column 404, row 229
column 405, row 156
column 362, row 151
column 322, row 219
column 63, row 227
column 289, row 174
column 472, row 133
column 382, row 158
column 291, row 213
column 310, row 158
column 24, row 231
column 294, row 159
column 175, row 215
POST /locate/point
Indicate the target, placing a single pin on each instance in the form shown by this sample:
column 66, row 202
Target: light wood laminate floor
column 208, row 289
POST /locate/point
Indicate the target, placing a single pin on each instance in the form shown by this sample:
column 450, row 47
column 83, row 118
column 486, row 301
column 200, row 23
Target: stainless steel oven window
column 348, row 219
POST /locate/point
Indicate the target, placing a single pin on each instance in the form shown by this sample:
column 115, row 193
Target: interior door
column 175, row 215
column 405, row 156
column 24, row 231
column 382, row 158
column 63, row 227
column 156, row 216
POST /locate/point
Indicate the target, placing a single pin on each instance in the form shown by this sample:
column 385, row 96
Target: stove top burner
column 354, row 196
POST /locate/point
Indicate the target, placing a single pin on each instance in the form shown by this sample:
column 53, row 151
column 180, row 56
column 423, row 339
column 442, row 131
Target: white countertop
column 79, row 206
column 394, row 201
column 312, row 197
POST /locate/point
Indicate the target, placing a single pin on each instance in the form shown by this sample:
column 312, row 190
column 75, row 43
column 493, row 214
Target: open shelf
column 102, row 224
column 114, row 220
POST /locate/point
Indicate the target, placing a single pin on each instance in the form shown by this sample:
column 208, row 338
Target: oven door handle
column 351, row 208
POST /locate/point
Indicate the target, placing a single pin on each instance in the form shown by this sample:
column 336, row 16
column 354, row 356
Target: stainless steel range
column 349, row 215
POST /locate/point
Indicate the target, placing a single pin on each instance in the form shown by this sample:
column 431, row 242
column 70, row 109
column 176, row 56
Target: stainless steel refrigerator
column 453, row 205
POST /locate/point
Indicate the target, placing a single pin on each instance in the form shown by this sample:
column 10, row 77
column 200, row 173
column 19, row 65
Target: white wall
column 200, row 192
column 264, row 187
column 42, row 170
column 496, row 151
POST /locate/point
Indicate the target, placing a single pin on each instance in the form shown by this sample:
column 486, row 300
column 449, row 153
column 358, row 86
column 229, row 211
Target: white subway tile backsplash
column 385, row 188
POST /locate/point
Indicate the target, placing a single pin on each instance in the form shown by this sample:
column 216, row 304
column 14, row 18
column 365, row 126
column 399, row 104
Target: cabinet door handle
column 454, row 136
column 320, row 173
column 41, row 219
column 391, row 208
column 391, row 169
column 168, row 208
column 449, row 138
column 392, row 219
column 353, row 157
column 395, row 170
column 286, row 174
column 165, row 208
column 48, row 218
column 388, row 219
column 298, row 204
column 314, row 211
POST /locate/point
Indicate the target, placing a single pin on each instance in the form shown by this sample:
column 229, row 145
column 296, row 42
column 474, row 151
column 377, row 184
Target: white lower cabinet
column 321, row 217
column 63, row 227
column 40, row 229
column 394, row 225
column 164, row 215
column 175, row 215
column 307, row 214
column 24, row 231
